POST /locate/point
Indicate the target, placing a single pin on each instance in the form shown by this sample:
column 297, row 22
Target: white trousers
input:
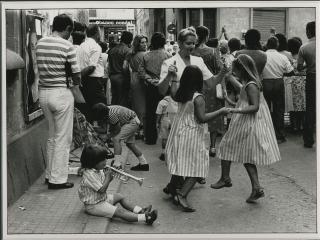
column 58, row 105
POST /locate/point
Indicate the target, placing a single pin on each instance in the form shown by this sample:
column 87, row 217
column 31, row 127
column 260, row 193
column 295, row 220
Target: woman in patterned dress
column 298, row 87
column 186, row 152
column 250, row 138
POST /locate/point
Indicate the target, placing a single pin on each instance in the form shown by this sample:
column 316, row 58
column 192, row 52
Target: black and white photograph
column 159, row 119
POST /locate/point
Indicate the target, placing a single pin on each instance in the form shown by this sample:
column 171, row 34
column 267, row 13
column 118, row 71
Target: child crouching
column 93, row 190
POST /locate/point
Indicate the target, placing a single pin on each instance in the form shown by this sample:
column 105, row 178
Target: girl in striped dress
column 251, row 138
column 186, row 152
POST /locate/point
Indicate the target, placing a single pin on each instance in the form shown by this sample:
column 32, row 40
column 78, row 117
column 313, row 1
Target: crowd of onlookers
column 186, row 92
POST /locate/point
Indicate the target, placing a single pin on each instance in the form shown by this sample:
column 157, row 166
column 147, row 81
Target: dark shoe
column 256, row 193
column 60, row 186
column 151, row 217
column 140, row 167
column 46, row 181
column 146, row 209
column 169, row 191
column 221, row 184
column 182, row 201
column 162, row 157
column 201, row 180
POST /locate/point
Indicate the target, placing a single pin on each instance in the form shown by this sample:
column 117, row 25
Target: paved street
column 288, row 207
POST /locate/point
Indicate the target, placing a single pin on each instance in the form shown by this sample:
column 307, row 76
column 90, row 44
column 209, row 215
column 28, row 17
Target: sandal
column 256, row 194
column 221, row 183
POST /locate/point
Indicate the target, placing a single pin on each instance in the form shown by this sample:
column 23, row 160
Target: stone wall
column 234, row 19
column 297, row 21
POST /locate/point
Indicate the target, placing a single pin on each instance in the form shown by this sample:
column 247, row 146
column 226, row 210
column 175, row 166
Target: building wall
column 297, row 21
column 25, row 141
column 15, row 104
column 234, row 19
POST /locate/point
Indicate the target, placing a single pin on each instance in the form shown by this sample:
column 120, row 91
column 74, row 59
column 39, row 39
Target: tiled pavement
column 45, row 211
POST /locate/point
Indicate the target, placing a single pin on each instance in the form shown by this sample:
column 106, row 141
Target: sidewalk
column 45, row 211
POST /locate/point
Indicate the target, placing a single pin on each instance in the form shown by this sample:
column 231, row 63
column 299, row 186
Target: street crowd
column 187, row 93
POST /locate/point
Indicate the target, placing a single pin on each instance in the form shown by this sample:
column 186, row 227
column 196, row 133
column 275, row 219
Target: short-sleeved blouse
column 198, row 61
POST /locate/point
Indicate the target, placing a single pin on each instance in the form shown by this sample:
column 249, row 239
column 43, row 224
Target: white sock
column 137, row 209
column 142, row 160
column 141, row 217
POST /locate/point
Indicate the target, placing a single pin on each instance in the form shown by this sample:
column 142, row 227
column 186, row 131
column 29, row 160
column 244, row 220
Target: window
column 209, row 20
column 266, row 18
column 194, row 15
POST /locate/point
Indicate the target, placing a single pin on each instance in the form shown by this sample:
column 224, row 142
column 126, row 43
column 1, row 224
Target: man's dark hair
column 234, row 44
column 79, row 27
column 92, row 154
column 92, row 30
column 171, row 42
column 126, row 37
column 283, row 44
column 311, row 29
column 100, row 111
column 78, row 37
column 104, row 46
column 213, row 42
column 202, row 33
column 272, row 43
column 252, row 39
column 61, row 22
column 158, row 40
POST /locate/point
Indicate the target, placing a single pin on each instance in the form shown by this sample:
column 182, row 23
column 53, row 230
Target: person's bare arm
column 201, row 115
column 254, row 101
column 106, row 182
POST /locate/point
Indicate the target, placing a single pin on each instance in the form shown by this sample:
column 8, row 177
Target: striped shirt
column 120, row 114
column 52, row 53
column 92, row 181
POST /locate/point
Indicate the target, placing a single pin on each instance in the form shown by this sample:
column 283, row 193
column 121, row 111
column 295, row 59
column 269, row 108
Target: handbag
column 77, row 94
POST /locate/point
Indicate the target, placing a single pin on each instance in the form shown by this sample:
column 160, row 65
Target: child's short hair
column 92, row 154
column 100, row 111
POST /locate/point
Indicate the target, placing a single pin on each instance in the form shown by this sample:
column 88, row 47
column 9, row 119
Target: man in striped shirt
column 56, row 100
column 124, row 123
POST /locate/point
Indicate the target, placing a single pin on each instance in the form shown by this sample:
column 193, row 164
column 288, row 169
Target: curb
column 96, row 224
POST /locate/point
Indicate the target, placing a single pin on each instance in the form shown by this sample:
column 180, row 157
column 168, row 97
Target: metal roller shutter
column 265, row 19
